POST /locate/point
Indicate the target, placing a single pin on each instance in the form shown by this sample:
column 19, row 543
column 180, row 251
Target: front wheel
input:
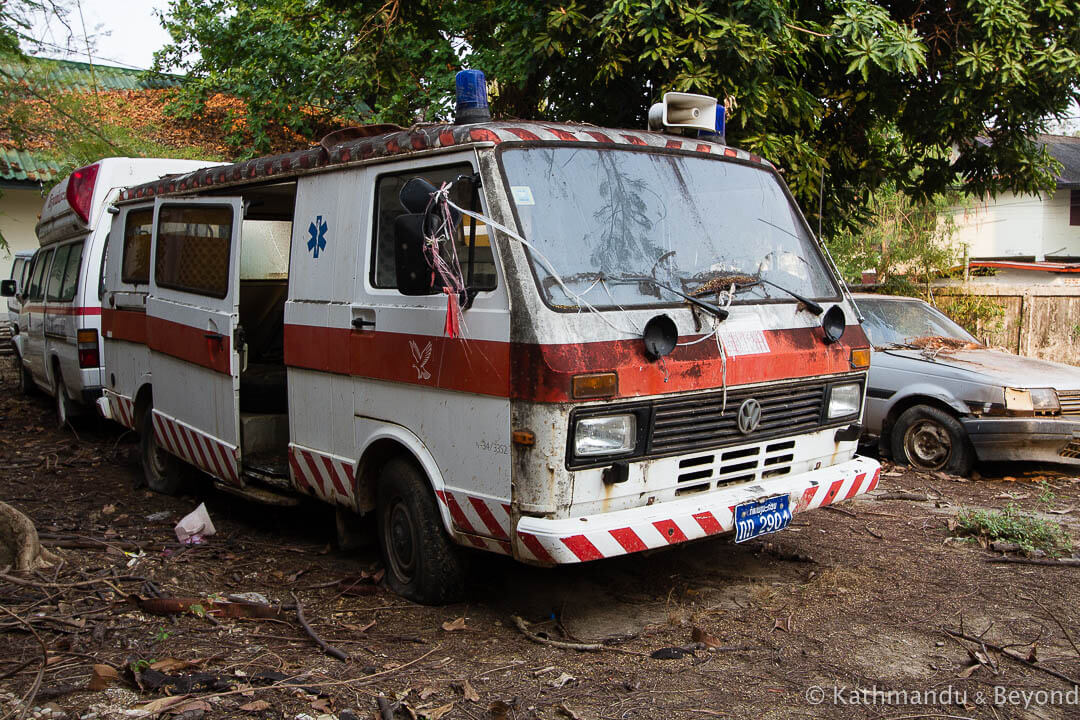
column 163, row 472
column 930, row 439
column 422, row 564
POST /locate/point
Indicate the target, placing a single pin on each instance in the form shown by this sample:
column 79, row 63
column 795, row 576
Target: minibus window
column 71, row 274
column 56, row 273
column 16, row 269
column 136, row 263
column 193, row 249
column 37, row 285
column 388, row 208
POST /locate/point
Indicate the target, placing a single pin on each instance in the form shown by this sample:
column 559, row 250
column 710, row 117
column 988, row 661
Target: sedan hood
column 1002, row 368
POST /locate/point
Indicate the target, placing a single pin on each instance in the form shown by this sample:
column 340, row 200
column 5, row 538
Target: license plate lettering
column 761, row 517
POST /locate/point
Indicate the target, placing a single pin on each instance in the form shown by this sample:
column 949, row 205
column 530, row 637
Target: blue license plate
column 761, row 517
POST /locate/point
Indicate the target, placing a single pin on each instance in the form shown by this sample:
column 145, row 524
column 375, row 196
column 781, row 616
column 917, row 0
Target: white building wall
column 19, row 210
column 1012, row 225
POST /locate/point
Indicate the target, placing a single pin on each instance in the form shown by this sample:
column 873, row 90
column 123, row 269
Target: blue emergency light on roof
column 472, row 102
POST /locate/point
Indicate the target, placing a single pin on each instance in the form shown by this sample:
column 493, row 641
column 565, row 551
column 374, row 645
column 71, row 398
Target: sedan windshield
column 619, row 225
column 903, row 322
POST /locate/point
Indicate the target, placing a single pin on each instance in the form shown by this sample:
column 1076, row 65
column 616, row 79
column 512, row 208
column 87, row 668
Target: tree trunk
column 19, row 546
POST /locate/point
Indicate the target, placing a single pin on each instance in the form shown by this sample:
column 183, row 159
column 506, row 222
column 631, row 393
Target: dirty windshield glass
column 898, row 322
column 603, row 217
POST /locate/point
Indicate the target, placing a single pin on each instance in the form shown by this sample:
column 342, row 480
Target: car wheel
column 26, row 380
column 930, row 439
column 422, row 564
column 162, row 471
column 64, row 406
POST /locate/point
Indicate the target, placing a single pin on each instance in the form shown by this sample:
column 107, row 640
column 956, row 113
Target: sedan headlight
column 605, row 435
column 844, row 400
column 1040, row 400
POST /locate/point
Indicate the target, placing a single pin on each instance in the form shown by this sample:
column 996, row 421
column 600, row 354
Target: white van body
column 59, row 319
column 259, row 333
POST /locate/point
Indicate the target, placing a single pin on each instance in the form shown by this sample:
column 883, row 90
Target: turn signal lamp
column 594, row 385
column 80, row 190
column 860, row 358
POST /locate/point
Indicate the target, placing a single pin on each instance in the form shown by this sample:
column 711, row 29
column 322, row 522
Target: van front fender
column 378, row 441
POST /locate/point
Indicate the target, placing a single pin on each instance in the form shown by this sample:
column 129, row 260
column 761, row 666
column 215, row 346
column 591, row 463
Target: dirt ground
column 841, row 615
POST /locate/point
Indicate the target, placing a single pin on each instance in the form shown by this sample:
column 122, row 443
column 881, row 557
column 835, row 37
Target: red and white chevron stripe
column 197, row 448
column 478, row 518
column 122, row 409
column 600, row 536
column 329, row 477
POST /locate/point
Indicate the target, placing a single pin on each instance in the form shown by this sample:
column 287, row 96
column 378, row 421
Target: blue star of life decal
column 317, row 230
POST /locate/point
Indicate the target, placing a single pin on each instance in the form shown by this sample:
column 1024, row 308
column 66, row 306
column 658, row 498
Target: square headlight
column 605, row 435
column 844, row 400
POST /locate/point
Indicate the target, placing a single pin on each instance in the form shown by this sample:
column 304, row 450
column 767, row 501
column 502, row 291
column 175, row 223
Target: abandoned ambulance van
column 556, row 342
column 59, row 303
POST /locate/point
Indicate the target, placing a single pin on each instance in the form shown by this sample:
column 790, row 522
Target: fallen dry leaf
column 567, row 712
column 255, row 706
column 563, row 680
column 168, row 665
column 428, row 692
column 699, row 635
column 161, row 705
column 437, row 712
column 469, row 692
column 499, row 710
column 103, row 676
column 452, row 625
column 189, row 706
column 323, row 705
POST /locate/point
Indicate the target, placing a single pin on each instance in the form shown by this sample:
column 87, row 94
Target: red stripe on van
column 543, row 373
column 188, row 344
column 129, row 325
column 474, row 366
column 50, row 309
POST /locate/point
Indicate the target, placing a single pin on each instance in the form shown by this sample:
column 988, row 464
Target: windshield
column 606, row 218
column 900, row 322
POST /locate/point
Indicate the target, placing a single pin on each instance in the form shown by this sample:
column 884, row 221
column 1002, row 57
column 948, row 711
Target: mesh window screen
column 193, row 249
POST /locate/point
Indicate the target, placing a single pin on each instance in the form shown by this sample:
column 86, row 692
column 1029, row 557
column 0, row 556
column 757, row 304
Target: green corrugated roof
column 69, row 75
column 18, row 165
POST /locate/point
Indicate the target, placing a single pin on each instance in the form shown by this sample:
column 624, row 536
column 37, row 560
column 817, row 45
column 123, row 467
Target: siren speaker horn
column 684, row 110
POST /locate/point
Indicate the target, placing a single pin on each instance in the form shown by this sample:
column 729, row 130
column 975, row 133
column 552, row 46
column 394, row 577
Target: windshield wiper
column 718, row 312
column 810, row 304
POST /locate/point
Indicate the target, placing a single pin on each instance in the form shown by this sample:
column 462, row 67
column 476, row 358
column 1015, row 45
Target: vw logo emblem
column 749, row 416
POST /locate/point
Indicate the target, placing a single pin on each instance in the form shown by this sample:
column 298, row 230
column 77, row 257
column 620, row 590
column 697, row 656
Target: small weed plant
column 1013, row 525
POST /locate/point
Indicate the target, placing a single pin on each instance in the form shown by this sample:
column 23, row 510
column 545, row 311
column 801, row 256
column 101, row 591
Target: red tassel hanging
column 452, row 328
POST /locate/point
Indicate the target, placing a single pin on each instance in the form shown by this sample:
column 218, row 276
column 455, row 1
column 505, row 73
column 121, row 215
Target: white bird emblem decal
column 421, row 360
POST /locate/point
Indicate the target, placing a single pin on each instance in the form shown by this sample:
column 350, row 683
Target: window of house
column 136, row 263
column 193, row 249
column 71, row 273
column 37, row 283
column 388, row 208
column 56, row 273
column 1074, row 207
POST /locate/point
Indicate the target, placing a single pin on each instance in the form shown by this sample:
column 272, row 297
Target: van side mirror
column 7, row 288
column 414, row 275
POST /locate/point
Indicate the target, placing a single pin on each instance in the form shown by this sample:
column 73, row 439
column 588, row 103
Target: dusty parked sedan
column 938, row 399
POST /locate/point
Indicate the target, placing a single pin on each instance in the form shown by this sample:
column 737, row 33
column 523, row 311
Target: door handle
column 363, row 318
column 360, row 323
column 216, row 337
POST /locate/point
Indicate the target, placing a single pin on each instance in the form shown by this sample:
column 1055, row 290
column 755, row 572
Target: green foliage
column 310, row 65
column 907, row 243
column 978, row 314
column 1015, row 526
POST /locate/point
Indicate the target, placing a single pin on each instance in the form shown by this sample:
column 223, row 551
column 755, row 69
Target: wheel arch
column 386, row 442
column 934, row 397
column 144, row 400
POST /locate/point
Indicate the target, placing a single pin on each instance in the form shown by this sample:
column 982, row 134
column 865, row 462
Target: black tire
column 422, row 563
column 927, row 438
column 65, row 408
column 162, row 471
column 26, row 380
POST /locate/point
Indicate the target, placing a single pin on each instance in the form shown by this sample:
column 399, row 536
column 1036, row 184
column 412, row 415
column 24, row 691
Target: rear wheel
column 163, row 472
column 422, row 564
column 65, row 408
column 930, row 439
column 26, row 381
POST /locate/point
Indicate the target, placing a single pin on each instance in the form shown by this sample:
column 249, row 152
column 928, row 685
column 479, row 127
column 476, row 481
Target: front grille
column 1071, row 450
column 687, row 424
column 734, row 467
column 1070, row 402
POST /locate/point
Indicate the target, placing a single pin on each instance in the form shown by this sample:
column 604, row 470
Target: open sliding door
column 192, row 317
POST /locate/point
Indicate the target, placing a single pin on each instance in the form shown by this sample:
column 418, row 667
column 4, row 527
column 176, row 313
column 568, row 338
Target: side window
column 71, row 274
column 16, row 269
column 56, row 273
column 193, row 249
column 388, row 208
column 37, row 284
column 136, row 262
column 25, row 275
